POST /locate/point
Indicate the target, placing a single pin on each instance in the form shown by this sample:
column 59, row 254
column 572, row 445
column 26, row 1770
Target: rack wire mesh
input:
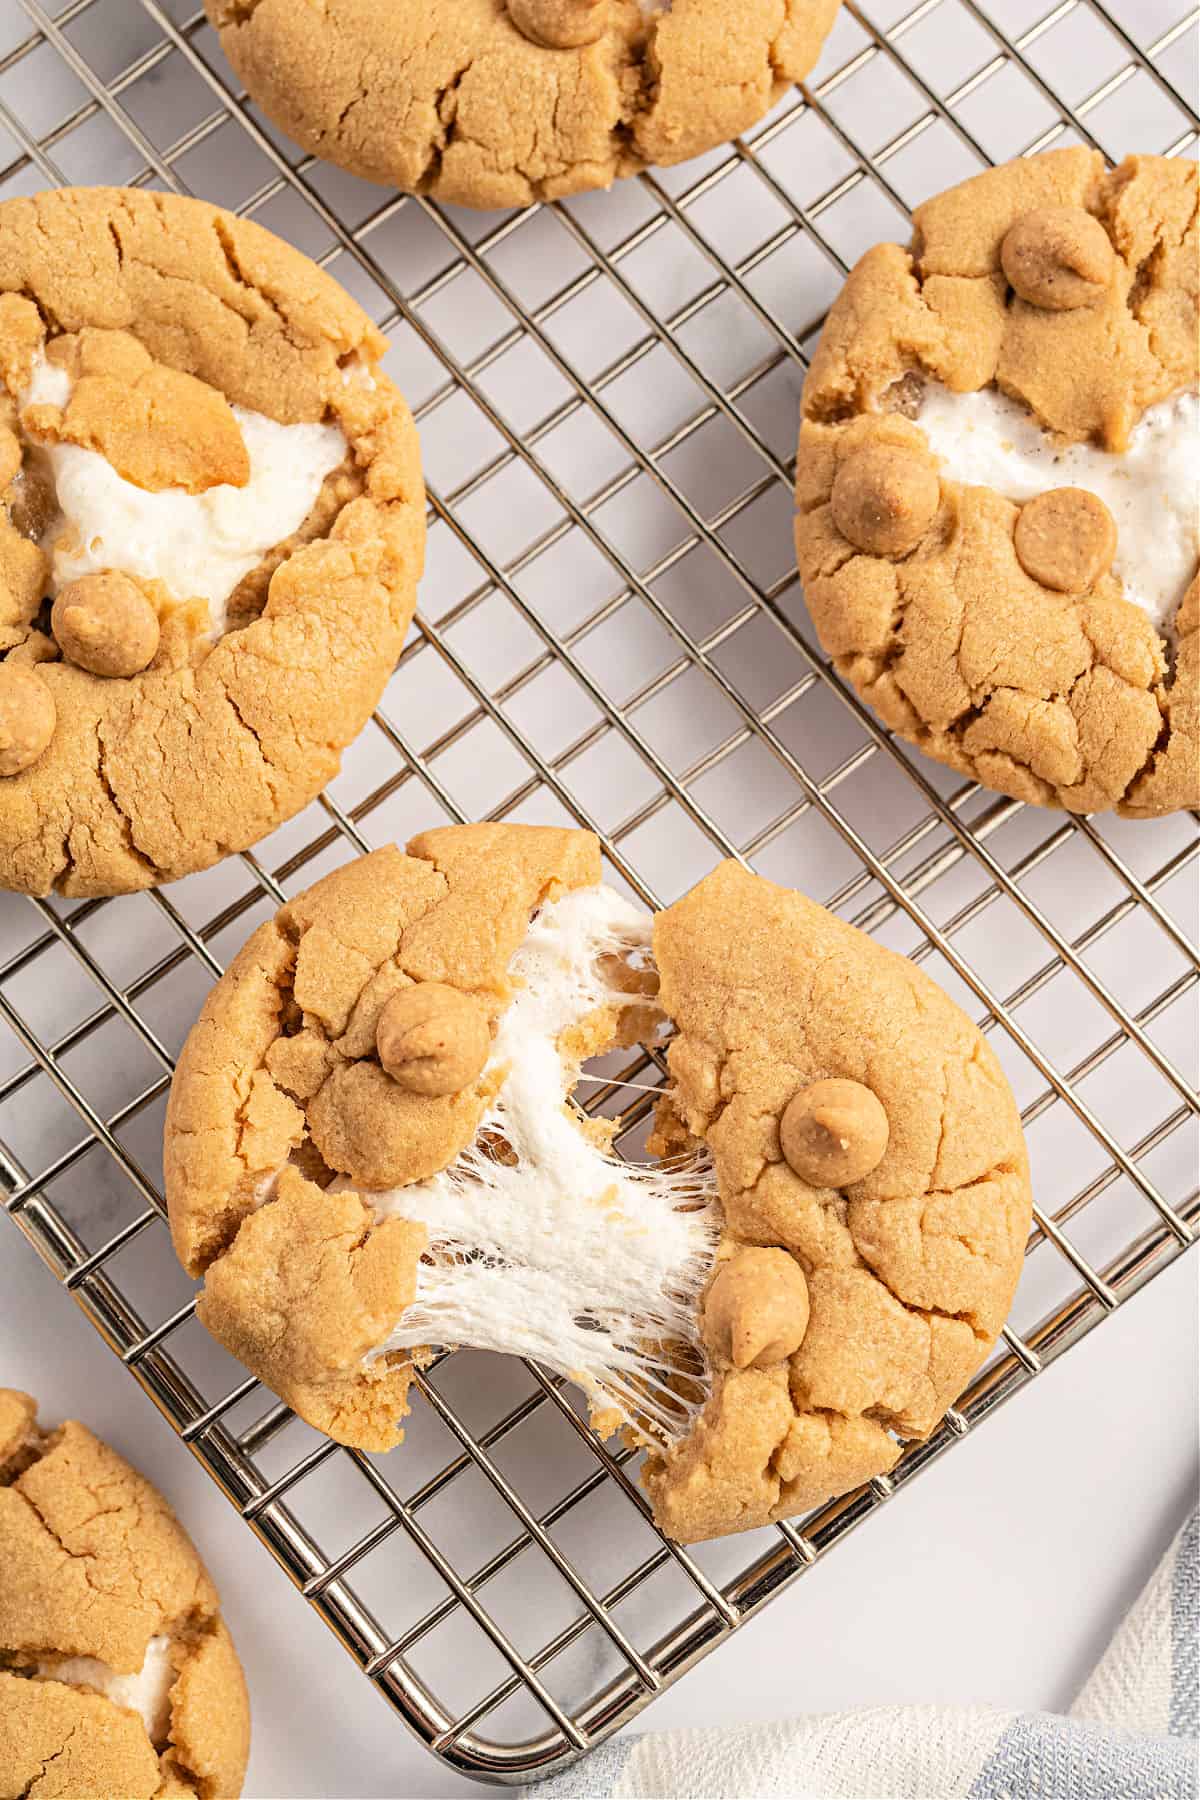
column 612, row 634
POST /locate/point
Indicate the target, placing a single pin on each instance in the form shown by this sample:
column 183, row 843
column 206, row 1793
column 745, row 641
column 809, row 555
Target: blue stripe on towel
column 1185, row 1634
column 1044, row 1757
column 592, row 1779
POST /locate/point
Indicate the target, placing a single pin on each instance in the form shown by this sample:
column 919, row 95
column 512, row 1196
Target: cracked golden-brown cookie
column 211, row 529
column 370, row 1150
column 117, row 1674
column 998, row 485
column 494, row 103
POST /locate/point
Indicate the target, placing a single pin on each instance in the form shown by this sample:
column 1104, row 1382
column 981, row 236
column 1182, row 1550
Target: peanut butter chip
column 834, row 1133
column 105, row 624
column 885, row 499
column 1058, row 257
column 432, row 1039
column 756, row 1313
column 27, row 717
column 560, row 24
column 1066, row 539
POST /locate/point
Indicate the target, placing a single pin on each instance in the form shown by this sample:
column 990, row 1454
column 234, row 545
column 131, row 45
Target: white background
column 998, row 1578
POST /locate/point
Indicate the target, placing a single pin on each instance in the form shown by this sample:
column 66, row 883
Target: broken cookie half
column 211, row 529
column 373, row 1150
column 998, row 484
column 117, row 1674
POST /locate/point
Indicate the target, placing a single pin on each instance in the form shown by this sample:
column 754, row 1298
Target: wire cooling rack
column 612, row 633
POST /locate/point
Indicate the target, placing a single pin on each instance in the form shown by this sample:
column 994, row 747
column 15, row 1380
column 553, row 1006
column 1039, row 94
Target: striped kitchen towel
column 1131, row 1734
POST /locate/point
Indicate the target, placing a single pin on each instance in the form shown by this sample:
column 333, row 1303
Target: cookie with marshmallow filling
column 372, row 1150
column 117, row 1673
column 998, row 485
column 211, row 529
column 493, row 103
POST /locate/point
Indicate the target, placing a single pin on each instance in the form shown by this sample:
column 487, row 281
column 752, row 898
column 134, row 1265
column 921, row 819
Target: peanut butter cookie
column 117, row 1674
column 494, row 103
column 998, row 485
column 211, row 528
column 371, row 1150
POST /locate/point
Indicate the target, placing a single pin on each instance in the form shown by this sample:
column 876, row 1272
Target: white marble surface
column 997, row 1577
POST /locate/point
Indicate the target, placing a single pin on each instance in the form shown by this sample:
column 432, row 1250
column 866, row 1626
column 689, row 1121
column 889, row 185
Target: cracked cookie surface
column 497, row 103
column 117, row 1673
column 204, row 467
column 821, row 1253
column 999, row 478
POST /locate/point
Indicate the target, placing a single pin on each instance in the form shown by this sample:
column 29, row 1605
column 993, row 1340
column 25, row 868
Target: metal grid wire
column 612, row 634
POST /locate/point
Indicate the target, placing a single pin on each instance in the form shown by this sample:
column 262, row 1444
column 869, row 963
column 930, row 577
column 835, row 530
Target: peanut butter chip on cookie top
column 105, row 623
column 560, row 24
column 756, row 1313
column 432, row 1038
column 1058, row 257
column 885, row 498
column 834, row 1133
column 1066, row 539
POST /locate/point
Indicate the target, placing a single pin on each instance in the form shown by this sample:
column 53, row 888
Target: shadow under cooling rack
column 612, row 635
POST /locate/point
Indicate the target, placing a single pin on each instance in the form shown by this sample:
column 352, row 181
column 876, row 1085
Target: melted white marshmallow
column 1152, row 489
column 148, row 1692
column 198, row 545
column 570, row 1255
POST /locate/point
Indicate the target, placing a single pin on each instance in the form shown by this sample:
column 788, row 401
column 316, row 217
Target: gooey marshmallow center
column 590, row 1265
column 1152, row 489
column 200, row 546
column 148, row 1692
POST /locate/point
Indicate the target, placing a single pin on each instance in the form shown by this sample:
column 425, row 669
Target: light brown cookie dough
column 204, row 467
column 1001, row 617
column 808, row 1273
column 117, row 1674
column 495, row 103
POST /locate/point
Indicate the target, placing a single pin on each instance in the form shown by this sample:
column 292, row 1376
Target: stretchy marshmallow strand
column 543, row 1242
